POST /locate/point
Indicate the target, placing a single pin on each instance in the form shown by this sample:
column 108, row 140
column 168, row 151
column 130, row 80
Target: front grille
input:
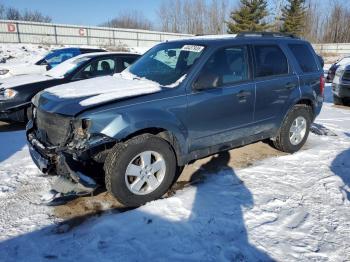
column 52, row 129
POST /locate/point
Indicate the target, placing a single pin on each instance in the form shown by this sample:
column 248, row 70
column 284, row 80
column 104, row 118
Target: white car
column 52, row 59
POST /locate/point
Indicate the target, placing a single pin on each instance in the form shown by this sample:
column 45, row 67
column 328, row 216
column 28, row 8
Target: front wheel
column 140, row 170
column 295, row 129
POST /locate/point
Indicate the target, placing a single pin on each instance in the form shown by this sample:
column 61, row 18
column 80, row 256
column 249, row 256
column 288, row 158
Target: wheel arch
column 165, row 134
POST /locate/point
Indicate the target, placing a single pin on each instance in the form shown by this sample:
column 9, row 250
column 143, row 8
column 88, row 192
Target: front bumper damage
column 69, row 163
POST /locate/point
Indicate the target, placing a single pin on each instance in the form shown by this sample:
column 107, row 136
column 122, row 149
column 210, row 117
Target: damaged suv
column 181, row 101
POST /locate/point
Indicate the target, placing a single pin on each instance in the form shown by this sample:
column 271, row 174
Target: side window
column 304, row 57
column 226, row 66
column 99, row 67
column 105, row 67
column 127, row 61
column 269, row 61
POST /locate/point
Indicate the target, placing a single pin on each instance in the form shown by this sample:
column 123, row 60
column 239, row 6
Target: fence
column 59, row 34
column 47, row 33
column 339, row 49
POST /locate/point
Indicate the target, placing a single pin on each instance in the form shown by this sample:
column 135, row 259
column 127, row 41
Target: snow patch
column 104, row 89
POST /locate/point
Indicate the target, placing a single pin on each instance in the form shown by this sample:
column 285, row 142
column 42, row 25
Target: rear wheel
column 294, row 130
column 338, row 100
column 140, row 170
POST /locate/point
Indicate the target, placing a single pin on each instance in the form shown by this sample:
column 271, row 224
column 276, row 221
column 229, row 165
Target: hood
column 72, row 98
column 22, row 69
column 22, row 80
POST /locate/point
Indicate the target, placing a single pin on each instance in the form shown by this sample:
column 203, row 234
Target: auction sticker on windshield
column 192, row 48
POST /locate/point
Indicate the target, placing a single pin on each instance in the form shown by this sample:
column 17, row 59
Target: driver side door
column 221, row 102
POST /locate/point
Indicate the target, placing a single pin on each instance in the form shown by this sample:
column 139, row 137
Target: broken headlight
column 8, row 94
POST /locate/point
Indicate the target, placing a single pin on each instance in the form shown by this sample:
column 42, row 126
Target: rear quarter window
column 304, row 56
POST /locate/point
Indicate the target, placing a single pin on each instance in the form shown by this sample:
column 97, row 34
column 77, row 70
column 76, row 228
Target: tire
column 338, row 100
column 122, row 156
column 283, row 141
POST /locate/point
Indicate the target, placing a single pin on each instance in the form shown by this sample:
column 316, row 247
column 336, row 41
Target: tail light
column 322, row 84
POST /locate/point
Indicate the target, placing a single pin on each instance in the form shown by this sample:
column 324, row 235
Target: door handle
column 243, row 94
column 290, row 85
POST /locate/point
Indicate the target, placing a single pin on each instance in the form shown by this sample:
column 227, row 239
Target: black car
column 334, row 67
column 341, row 85
column 16, row 92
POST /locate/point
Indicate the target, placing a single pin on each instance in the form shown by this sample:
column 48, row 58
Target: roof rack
column 265, row 34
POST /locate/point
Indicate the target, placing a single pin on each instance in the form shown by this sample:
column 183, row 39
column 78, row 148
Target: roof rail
column 265, row 34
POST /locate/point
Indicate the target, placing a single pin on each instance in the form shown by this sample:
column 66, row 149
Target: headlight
column 8, row 94
column 4, row 71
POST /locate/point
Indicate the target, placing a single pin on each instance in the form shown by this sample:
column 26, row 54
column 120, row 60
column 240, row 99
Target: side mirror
column 206, row 81
column 171, row 53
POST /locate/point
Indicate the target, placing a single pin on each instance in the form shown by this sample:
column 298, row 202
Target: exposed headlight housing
column 8, row 94
column 4, row 71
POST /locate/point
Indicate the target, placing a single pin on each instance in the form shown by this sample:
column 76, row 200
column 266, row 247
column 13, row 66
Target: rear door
column 221, row 102
column 310, row 70
column 275, row 84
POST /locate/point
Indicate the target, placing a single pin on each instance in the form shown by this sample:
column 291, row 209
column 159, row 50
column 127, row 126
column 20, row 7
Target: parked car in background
column 16, row 92
column 341, row 85
column 52, row 59
column 331, row 71
column 181, row 101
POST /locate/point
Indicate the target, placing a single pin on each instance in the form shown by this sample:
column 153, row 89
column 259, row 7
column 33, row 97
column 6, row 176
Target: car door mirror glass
column 206, row 81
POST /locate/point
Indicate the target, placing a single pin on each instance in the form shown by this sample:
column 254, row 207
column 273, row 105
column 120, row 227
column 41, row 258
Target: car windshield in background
column 167, row 63
column 66, row 67
column 56, row 57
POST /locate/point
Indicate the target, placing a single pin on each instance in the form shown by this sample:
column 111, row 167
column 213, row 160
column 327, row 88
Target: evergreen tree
column 293, row 17
column 249, row 17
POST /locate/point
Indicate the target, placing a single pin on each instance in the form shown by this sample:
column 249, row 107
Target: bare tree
column 193, row 16
column 131, row 19
column 276, row 14
column 13, row 14
column 35, row 16
column 2, row 12
column 336, row 29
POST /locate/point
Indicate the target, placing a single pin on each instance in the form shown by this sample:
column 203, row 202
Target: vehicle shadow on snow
column 12, row 139
column 341, row 167
column 209, row 228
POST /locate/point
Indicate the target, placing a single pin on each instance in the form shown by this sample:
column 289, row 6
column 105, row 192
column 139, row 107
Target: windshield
column 56, row 57
column 66, row 67
column 167, row 63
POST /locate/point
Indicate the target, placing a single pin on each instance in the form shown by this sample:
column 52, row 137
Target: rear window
column 270, row 61
column 304, row 57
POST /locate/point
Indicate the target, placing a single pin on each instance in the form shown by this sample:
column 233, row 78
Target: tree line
column 11, row 13
column 314, row 20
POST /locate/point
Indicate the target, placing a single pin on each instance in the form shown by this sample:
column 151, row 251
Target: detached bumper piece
column 70, row 183
column 65, row 189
